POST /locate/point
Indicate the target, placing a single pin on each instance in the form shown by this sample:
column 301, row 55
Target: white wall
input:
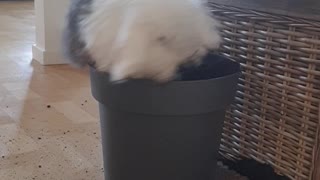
column 50, row 15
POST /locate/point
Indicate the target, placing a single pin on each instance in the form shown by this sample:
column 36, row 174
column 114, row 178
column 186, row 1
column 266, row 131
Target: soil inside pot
column 212, row 66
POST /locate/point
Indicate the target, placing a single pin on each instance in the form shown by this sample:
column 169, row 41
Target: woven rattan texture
column 275, row 117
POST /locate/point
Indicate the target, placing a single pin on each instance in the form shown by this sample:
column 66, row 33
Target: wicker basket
column 275, row 117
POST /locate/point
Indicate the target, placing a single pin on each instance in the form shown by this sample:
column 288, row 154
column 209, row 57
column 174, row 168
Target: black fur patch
column 73, row 44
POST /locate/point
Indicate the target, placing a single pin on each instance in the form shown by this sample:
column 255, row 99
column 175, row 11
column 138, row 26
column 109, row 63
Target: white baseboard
column 46, row 57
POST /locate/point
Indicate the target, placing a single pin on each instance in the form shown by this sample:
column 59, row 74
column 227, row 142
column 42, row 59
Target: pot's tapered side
column 170, row 131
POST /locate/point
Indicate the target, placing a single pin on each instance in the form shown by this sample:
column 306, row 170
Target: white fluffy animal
column 139, row 38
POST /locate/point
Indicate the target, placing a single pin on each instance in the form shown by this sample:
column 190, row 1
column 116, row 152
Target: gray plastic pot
column 169, row 131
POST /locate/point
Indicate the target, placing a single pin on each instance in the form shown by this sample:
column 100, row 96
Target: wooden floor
column 48, row 120
column 49, row 128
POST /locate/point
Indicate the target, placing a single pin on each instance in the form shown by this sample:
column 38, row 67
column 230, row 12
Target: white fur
column 147, row 38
